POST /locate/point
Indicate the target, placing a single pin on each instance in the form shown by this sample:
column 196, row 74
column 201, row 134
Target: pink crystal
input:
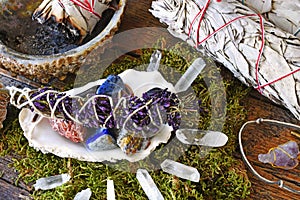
column 69, row 129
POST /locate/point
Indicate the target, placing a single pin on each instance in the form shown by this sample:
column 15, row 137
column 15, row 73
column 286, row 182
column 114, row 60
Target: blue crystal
column 112, row 85
column 101, row 140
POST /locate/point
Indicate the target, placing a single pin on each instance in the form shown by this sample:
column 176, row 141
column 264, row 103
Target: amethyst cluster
column 136, row 119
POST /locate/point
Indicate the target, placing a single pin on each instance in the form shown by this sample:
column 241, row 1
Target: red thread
column 202, row 12
column 278, row 79
column 87, row 6
column 223, row 26
column 260, row 52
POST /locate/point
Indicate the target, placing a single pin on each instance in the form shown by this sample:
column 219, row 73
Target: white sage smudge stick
column 82, row 15
column 236, row 34
column 282, row 13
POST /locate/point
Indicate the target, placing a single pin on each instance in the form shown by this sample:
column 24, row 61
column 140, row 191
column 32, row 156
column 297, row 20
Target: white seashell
column 42, row 137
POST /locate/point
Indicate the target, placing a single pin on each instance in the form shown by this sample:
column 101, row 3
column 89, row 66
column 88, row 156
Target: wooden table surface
column 262, row 138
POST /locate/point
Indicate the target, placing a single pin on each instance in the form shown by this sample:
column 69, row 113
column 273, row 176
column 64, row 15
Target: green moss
column 222, row 176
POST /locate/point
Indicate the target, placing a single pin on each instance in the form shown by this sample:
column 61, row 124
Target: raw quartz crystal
column 154, row 61
column 190, row 75
column 110, row 191
column 83, row 195
column 201, row 137
column 284, row 156
column 51, row 182
column 148, row 185
column 180, row 170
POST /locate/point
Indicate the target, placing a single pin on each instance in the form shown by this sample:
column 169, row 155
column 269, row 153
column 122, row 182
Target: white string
column 24, row 95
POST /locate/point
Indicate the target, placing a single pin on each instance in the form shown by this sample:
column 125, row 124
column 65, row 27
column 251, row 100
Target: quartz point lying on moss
column 201, row 137
column 83, row 195
column 154, row 61
column 110, row 190
column 148, row 185
column 283, row 156
column 190, row 75
column 51, row 182
column 180, row 170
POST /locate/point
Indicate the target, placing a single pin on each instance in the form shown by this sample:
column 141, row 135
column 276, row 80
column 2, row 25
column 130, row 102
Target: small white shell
column 41, row 136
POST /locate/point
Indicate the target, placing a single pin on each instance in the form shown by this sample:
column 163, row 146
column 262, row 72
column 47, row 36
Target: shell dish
column 42, row 68
column 42, row 137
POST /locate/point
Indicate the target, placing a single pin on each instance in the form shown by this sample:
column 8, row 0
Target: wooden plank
column 8, row 189
column 8, row 173
column 11, row 192
column 258, row 139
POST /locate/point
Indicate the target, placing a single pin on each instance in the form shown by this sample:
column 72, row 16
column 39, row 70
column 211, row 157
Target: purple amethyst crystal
column 284, row 156
column 102, row 140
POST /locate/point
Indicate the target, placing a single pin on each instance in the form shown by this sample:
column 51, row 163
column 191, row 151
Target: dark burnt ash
column 29, row 37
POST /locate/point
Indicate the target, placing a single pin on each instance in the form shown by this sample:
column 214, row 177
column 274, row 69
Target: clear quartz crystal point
column 83, row 195
column 190, row 75
column 180, row 170
column 201, row 137
column 148, row 185
column 51, row 182
column 110, row 190
column 154, row 61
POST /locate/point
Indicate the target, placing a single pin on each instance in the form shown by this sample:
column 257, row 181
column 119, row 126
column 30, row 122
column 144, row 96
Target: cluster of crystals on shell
column 120, row 118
